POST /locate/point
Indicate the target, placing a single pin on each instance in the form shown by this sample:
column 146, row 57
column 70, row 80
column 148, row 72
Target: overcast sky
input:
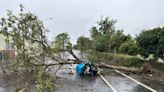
column 77, row 16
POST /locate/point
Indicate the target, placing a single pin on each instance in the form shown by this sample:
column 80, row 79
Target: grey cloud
column 77, row 16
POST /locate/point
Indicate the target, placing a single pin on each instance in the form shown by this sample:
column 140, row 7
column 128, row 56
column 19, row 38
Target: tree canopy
column 62, row 41
column 152, row 42
column 84, row 43
column 28, row 35
column 106, row 38
column 102, row 33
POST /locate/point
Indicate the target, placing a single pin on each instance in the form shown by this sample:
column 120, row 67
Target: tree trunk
column 72, row 53
column 162, row 58
column 128, row 69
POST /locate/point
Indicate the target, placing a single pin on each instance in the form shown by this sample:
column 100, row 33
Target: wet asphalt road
column 76, row 83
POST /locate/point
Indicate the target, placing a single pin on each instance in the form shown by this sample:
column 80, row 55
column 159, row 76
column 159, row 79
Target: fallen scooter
column 86, row 69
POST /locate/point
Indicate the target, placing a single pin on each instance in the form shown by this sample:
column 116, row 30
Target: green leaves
column 102, row 34
column 152, row 42
column 101, row 44
column 84, row 43
column 106, row 38
column 62, row 41
column 129, row 47
column 106, row 26
column 28, row 34
column 44, row 82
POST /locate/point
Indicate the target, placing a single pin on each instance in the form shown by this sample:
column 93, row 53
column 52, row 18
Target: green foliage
column 44, row 82
column 117, row 39
column 152, row 42
column 101, row 44
column 62, row 40
column 28, row 34
column 102, row 33
column 105, row 38
column 116, row 59
column 84, row 43
column 106, row 26
column 94, row 33
column 129, row 47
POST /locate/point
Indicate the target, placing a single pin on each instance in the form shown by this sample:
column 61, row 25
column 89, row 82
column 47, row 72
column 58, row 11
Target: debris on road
column 88, row 68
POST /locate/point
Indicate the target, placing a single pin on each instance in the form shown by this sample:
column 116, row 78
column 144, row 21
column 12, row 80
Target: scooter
column 86, row 69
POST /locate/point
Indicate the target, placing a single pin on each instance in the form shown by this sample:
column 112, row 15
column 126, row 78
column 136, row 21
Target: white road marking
column 147, row 87
column 114, row 90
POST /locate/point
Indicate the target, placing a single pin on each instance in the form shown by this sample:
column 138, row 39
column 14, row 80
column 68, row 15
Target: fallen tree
column 143, row 69
column 28, row 37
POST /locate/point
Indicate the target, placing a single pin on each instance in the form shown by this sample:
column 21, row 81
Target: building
column 7, row 50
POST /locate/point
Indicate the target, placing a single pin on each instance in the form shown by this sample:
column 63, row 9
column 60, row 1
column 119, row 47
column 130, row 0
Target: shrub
column 129, row 47
column 116, row 59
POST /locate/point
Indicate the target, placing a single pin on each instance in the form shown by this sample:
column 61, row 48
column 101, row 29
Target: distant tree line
column 106, row 38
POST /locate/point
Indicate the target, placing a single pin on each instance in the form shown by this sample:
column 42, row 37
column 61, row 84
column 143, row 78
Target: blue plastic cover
column 80, row 68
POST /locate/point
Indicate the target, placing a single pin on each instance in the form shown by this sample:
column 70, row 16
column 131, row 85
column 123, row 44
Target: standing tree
column 83, row 43
column 106, row 26
column 61, row 41
column 94, row 33
column 152, row 42
column 117, row 39
column 102, row 34
column 160, row 48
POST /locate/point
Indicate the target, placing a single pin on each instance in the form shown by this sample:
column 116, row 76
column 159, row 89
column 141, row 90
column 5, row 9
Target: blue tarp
column 80, row 68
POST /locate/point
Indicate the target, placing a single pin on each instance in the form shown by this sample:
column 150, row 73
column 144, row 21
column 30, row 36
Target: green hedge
column 116, row 59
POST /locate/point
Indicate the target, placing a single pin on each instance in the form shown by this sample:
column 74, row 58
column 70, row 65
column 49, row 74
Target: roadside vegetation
column 115, row 59
column 111, row 45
